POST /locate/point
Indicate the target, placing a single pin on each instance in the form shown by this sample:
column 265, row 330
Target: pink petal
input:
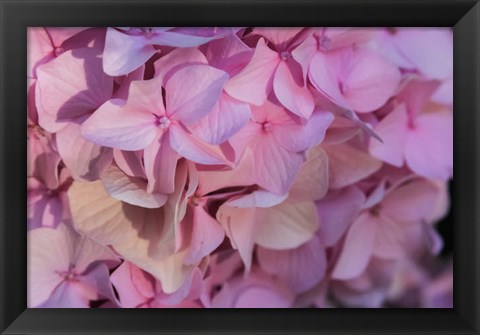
column 160, row 164
column 275, row 167
column 124, row 53
column 43, row 160
column 303, row 54
column 241, row 175
column 300, row 137
column 62, row 96
column 167, row 65
column 40, row 49
column 348, row 37
column 48, row 254
column 324, row 77
column 193, row 91
column 413, row 202
column 206, row 234
column 430, row 50
column 301, row 268
column 130, row 162
column 293, row 95
column 134, row 286
column 239, row 226
column 229, row 54
column 388, row 239
column 371, row 81
column 85, row 160
column 357, row 249
column 429, row 146
column 119, row 125
column 69, row 295
column 227, row 117
column 337, row 212
column 393, row 132
column 182, row 38
column 278, row 36
column 254, row 82
column 190, row 147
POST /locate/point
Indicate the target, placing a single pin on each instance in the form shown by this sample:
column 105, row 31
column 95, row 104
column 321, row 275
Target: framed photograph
column 239, row 167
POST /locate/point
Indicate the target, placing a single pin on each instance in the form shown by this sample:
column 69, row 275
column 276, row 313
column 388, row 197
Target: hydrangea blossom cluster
column 238, row 167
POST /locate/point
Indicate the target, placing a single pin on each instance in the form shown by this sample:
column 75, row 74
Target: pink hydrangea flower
column 251, row 167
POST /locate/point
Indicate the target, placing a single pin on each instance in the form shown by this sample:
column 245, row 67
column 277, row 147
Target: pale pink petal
column 243, row 174
column 287, row 225
column 311, row 182
column 262, row 199
column 85, row 160
column 357, row 250
column 301, row 268
column 254, row 83
column 348, row 165
column 192, row 91
column 134, row 232
column 132, row 190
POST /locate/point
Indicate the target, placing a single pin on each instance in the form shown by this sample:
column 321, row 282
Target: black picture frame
column 462, row 15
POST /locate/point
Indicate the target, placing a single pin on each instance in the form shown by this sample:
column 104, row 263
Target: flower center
column 195, row 199
column 69, row 275
column 163, row 122
column 148, row 32
column 58, row 51
column 267, row 126
column 324, row 43
column 285, row 55
column 375, row 210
